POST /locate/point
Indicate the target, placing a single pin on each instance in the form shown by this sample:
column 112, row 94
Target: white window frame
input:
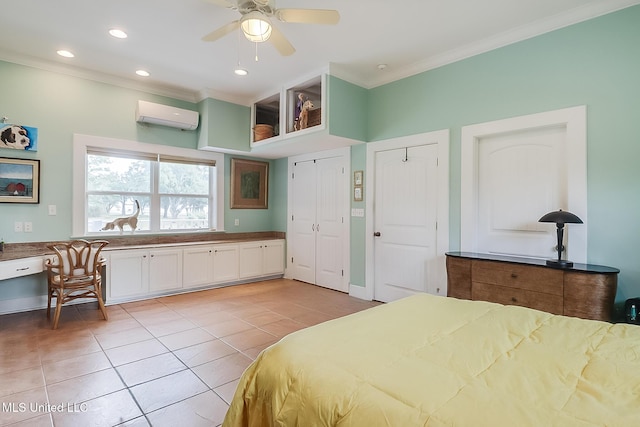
column 84, row 143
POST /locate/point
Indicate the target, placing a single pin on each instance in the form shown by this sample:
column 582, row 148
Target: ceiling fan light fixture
column 256, row 27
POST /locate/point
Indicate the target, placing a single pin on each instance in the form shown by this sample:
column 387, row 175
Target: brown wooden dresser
column 584, row 290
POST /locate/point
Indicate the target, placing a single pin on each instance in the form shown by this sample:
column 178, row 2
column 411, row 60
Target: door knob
column 377, row 234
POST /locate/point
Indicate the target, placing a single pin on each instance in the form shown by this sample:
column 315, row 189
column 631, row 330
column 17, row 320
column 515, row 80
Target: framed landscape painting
column 19, row 180
column 249, row 184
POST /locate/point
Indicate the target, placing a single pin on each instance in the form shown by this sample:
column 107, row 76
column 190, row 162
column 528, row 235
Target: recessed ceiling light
column 117, row 33
column 65, row 53
column 382, row 66
column 241, row 71
column 143, row 73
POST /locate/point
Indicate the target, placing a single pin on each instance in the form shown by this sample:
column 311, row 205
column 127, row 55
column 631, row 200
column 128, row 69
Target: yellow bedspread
column 435, row 361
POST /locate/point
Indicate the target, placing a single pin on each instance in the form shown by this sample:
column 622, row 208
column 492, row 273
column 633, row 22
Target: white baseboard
column 359, row 292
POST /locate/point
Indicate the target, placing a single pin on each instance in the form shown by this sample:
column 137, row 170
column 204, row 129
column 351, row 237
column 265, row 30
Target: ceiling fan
column 256, row 25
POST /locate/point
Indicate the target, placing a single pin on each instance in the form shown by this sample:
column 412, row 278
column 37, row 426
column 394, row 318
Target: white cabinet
column 127, row 273
column 165, row 269
column 225, row 263
column 197, row 266
column 207, row 264
column 261, row 258
column 144, row 273
column 135, row 272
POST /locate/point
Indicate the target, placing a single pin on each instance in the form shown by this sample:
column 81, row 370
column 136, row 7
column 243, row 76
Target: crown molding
column 524, row 32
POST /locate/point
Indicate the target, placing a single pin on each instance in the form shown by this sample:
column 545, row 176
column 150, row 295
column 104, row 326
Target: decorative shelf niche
column 266, row 119
column 304, row 104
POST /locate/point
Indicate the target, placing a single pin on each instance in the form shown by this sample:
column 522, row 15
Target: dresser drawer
column 514, row 296
column 525, row 277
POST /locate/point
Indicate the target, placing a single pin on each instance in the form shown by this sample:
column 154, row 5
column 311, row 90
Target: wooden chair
column 75, row 273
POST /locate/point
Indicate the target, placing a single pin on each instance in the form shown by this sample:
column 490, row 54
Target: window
column 170, row 189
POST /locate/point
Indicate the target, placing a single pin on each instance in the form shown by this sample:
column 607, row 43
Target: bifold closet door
column 318, row 222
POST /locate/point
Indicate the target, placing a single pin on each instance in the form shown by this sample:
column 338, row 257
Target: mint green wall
column 224, row 125
column 347, row 109
column 594, row 63
column 59, row 106
column 271, row 219
column 357, row 226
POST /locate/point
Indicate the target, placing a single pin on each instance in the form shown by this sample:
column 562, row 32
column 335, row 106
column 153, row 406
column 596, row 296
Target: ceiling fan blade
column 222, row 3
column 280, row 42
column 221, row 32
column 308, row 16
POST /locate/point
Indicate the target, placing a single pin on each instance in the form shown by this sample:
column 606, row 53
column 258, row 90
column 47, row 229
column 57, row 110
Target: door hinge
column 293, row 175
column 342, row 273
column 291, row 217
column 291, row 260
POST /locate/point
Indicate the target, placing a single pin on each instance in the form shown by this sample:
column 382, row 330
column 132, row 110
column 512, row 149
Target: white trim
column 575, row 121
column 359, row 292
column 82, row 142
column 585, row 12
column 344, row 152
column 441, row 138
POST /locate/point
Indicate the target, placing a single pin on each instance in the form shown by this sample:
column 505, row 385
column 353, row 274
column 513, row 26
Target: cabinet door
column 127, row 273
column 250, row 257
column 197, row 266
column 165, row 269
column 225, row 264
column 273, row 257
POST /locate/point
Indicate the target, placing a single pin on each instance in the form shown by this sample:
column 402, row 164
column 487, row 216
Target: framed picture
column 19, row 180
column 249, row 184
column 18, row 137
column 357, row 178
column 357, row 194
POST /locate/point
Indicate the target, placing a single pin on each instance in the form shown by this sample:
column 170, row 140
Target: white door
column 405, row 215
column 304, row 221
column 317, row 190
column 330, row 178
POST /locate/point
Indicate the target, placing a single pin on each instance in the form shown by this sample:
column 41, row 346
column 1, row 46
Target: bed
column 436, row 361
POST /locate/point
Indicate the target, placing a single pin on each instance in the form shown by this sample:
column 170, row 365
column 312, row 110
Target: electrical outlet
column 236, row 222
column 17, row 227
column 52, row 210
column 28, row 227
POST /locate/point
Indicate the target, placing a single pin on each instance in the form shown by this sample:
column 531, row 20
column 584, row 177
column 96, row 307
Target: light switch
column 17, row 227
column 52, row 210
column 28, row 227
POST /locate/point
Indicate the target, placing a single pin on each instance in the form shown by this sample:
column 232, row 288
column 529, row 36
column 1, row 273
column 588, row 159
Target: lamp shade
column 560, row 217
column 256, row 27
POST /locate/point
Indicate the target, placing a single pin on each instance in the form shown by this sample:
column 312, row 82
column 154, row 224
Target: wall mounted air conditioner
column 165, row 115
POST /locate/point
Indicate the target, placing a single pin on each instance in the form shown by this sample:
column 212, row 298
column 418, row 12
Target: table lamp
column 561, row 218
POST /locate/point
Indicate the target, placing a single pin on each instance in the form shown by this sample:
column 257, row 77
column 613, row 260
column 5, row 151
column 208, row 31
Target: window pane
column 184, row 213
column 105, row 209
column 183, row 178
column 106, row 173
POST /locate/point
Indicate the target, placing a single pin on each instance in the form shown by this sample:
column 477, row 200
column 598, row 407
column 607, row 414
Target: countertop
column 33, row 249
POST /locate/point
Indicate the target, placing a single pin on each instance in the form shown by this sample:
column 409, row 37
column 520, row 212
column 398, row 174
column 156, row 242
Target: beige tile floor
column 167, row 361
